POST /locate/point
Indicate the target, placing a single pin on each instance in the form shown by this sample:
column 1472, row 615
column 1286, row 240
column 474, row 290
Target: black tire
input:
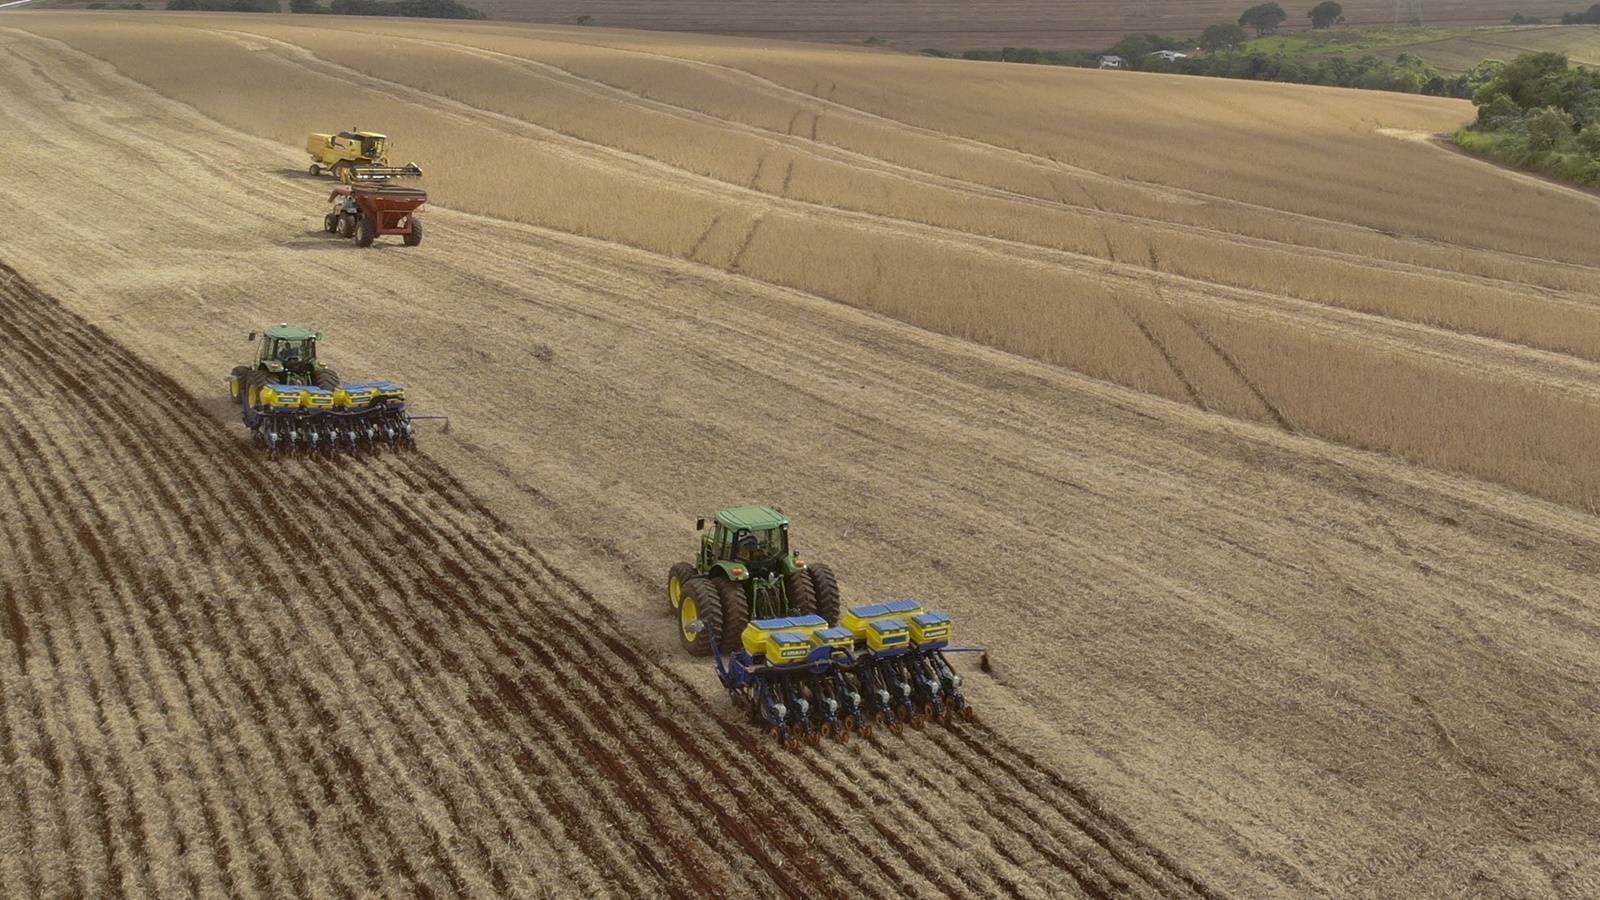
column 707, row 608
column 735, row 613
column 315, row 170
column 343, row 225
column 330, row 223
column 236, row 385
column 341, row 170
column 414, row 236
column 677, row 577
column 826, row 587
column 366, row 231
column 802, row 597
column 253, row 384
column 327, row 379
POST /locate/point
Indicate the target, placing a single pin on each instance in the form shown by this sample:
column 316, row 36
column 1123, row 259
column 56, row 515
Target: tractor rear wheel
column 366, row 231
column 677, row 583
column 327, row 379
column 701, row 602
column 826, row 587
column 414, row 236
column 735, row 613
column 236, row 383
column 802, row 597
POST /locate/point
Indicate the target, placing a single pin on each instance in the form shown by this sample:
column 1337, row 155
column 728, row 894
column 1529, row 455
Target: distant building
column 1113, row 62
column 1169, row 55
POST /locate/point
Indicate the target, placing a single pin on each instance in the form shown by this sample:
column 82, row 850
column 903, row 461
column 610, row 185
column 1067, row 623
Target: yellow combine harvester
column 349, row 154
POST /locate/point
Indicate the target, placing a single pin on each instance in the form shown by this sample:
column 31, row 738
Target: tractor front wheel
column 735, row 613
column 702, row 604
column 315, row 170
column 330, row 223
column 344, row 226
column 414, row 236
column 677, row 583
column 366, row 231
column 250, row 396
column 826, row 587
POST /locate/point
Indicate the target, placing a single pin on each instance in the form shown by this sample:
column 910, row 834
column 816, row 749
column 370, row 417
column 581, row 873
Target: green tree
column 1549, row 128
column 1589, row 138
column 1223, row 37
column 1326, row 14
column 1264, row 18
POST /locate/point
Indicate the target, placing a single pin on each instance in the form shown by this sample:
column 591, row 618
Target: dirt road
column 1231, row 659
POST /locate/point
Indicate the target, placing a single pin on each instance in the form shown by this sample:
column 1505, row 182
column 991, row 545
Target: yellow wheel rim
column 675, row 592
column 687, row 614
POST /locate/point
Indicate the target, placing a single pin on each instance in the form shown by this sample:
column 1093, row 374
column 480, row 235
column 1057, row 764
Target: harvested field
column 1257, row 443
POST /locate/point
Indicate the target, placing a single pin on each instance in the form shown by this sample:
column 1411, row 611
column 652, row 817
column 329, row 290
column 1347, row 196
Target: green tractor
column 746, row 570
column 293, row 403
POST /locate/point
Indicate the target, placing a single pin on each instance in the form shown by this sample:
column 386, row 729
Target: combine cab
column 790, row 657
column 292, row 403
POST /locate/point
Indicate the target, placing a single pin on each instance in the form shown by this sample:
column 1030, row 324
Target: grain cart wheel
column 826, row 587
column 802, row 597
column 701, row 603
column 677, row 582
column 366, row 231
column 735, row 613
column 414, row 236
column 315, row 170
column 327, row 379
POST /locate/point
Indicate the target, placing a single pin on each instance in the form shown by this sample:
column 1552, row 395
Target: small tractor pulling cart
column 365, row 209
column 789, row 656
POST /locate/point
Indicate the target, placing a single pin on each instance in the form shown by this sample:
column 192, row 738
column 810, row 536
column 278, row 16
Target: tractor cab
column 756, row 537
column 289, row 353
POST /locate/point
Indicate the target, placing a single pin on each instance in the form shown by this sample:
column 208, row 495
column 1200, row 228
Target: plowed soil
column 1233, row 656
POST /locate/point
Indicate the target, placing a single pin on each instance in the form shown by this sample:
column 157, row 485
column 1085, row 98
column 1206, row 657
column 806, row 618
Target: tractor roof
column 363, row 134
column 291, row 333
column 751, row 518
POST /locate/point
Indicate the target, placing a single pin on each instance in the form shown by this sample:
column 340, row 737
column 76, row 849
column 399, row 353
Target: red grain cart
column 364, row 211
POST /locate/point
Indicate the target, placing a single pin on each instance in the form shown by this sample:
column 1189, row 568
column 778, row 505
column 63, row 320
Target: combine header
column 787, row 655
column 292, row 403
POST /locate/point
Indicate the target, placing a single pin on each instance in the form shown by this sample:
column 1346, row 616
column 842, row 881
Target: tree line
column 1541, row 113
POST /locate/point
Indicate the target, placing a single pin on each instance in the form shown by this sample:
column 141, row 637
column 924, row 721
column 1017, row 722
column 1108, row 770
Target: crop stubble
column 852, row 377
